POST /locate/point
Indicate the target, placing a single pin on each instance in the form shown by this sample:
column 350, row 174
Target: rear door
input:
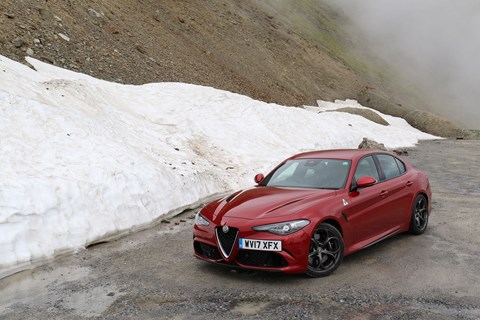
column 399, row 190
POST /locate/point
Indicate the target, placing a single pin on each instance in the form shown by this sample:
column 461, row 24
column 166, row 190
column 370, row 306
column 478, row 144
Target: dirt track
column 153, row 275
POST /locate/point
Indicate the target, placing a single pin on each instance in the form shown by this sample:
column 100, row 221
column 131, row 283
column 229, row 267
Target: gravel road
column 153, row 275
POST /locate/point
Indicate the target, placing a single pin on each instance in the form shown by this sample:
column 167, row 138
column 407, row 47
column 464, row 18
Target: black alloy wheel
column 419, row 219
column 326, row 251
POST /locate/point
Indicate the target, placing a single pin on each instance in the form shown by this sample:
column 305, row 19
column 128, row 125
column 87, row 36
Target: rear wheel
column 326, row 251
column 419, row 219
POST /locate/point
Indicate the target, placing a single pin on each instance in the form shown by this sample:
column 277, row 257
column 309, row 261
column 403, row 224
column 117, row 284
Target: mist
column 433, row 43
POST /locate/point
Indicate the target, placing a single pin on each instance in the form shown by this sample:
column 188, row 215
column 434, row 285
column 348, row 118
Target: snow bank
column 82, row 158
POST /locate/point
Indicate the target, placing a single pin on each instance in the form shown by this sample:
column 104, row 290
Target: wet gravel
column 153, row 275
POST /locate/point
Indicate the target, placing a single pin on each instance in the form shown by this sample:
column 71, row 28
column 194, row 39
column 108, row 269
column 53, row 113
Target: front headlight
column 201, row 220
column 283, row 228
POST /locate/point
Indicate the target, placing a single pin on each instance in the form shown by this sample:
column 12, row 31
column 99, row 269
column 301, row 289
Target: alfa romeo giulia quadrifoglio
column 312, row 210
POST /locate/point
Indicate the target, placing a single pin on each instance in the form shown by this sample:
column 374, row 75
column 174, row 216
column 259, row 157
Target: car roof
column 342, row 154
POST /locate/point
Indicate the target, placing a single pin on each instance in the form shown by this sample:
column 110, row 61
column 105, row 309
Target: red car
column 312, row 210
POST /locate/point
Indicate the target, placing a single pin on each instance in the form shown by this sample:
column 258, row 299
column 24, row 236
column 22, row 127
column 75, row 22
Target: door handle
column 384, row 193
column 409, row 183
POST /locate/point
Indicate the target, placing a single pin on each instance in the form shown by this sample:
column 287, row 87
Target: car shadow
column 377, row 252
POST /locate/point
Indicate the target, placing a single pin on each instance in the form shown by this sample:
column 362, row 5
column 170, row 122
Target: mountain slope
column 287, row 52
column 228, row 45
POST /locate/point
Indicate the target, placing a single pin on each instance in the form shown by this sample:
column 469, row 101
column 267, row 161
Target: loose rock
column 368, row 144
column 47, row 59
column 140, row 49
column 94, row 13
column 64, row 37
column 112, row 29
column 17, row 42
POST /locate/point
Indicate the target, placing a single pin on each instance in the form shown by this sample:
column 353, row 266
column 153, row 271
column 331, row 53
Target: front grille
column 226, row 240
column 261, row 259
column 206, row 250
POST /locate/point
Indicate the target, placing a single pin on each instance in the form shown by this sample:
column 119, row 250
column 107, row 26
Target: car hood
column 267, row 202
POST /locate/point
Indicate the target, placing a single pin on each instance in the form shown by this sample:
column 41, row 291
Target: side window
column 366, row 167
column 401, row 166
column 389, row 166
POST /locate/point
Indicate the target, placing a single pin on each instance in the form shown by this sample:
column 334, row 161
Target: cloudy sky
column 436, row 43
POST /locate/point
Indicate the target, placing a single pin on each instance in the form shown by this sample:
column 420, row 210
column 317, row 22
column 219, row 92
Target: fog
column 435, row 43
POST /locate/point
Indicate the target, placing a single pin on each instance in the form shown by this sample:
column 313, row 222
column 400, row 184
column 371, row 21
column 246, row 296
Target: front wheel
column 419, row 219
column 326, row 251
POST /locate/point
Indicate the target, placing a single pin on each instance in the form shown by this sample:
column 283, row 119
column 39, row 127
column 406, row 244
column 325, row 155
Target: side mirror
column 258, row 178
column 366, row 181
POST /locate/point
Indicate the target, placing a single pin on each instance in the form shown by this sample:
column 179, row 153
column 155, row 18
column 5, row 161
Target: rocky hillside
column 287, row 52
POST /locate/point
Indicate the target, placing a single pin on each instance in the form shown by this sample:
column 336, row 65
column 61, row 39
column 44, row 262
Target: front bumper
column 292, row 259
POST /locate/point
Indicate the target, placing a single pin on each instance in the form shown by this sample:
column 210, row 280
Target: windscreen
column 310, row 173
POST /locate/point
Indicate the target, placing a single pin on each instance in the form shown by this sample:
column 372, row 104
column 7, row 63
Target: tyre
column 419, row 219
column 326, row 251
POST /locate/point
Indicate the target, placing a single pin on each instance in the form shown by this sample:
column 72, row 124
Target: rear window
column 401, row 166
column 389, row 166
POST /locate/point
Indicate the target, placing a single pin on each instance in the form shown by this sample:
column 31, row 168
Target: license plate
column 262, row 245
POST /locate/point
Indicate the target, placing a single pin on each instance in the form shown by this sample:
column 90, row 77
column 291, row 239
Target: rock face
column 239, row 46
column 368, row 144
column 367, row 114
column 422, row 120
